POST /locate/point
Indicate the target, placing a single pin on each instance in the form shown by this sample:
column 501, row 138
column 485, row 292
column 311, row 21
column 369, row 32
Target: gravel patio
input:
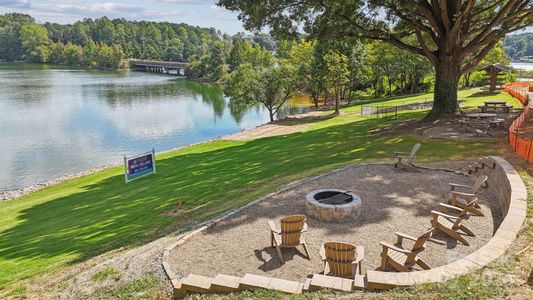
column 391, row 201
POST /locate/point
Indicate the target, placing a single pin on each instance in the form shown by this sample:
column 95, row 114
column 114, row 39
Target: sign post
column 139, row 166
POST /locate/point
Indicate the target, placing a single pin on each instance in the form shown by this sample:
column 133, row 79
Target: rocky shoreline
column 12, row 194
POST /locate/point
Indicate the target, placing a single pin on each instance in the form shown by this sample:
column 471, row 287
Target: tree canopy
column 443, row 31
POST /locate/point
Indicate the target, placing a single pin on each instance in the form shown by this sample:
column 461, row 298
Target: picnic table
column 495, row 106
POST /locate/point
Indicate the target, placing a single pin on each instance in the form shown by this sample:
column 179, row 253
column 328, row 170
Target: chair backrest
column 418, row 246
column 464, row 213
column 479, row 183
column 412, row 155
column 340, row 257
column 291, row 229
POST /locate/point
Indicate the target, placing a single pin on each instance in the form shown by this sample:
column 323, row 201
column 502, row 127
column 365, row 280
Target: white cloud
column 15, row 3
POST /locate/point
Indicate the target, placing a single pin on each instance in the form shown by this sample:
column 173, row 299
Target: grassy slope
column 67, row 223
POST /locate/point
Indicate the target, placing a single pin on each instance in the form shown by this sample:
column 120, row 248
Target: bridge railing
column 158, row 63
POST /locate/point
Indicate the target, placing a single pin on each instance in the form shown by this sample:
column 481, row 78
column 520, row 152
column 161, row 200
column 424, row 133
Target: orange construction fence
column 522, row 146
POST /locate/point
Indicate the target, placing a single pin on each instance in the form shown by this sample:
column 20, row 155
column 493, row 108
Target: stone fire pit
column 333, row 205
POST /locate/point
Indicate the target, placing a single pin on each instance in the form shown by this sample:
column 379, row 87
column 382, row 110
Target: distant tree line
column 519, row 46
column 100, row 42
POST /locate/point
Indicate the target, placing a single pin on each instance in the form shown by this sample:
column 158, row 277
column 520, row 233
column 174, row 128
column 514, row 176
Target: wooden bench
column 495, row 106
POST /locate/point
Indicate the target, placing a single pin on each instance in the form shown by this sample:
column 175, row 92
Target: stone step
column 252, row 281
column 287, row 286
column 196, row 283
column 319, row 281
column 223, row 283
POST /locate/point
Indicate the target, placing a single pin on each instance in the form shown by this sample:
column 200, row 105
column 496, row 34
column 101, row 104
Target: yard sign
column 139, row 165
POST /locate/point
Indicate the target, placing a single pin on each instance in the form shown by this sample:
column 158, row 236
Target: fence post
column 396, row 117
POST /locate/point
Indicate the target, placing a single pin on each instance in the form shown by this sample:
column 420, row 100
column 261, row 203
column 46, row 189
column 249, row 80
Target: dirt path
column 289, row 125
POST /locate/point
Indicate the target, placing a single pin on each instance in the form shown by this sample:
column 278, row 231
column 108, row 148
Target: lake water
column 57, row 121
column 522, row 66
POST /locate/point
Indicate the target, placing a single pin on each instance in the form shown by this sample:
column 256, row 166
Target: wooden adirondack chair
column 404, row 160
column 290, row 234
column 342, row 259
column 401, row 259
column 469, row 193
column 451, row 225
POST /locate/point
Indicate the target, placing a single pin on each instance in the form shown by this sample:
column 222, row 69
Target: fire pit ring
column 333, row 205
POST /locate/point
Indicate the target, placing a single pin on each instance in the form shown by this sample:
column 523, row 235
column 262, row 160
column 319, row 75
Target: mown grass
column 70, row 222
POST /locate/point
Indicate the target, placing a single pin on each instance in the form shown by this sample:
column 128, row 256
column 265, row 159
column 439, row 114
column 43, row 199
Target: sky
column 193, row 12
column 202, row 13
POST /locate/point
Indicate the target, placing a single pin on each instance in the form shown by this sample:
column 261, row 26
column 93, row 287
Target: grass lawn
column 67, row 223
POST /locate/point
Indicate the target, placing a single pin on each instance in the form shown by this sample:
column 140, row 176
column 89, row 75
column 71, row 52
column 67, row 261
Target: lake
column 522, row 65
column 57, row 121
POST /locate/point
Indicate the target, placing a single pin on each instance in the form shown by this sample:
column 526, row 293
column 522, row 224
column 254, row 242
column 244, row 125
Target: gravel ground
column 392, row 201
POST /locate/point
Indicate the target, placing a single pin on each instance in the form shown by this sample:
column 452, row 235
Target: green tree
column 73, row 54
column 270, row 86
column 34, row 39
column 79, row 34
column 446, row 32
column 10, row 45
column 90, row 53
column 174, row 50
column 216, row 61
column 337, row 75
column 57, row 53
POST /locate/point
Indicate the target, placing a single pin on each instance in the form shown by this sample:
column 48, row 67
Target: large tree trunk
column 447, row 73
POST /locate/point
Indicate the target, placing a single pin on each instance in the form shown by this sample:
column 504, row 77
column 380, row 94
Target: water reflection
column 57, row 120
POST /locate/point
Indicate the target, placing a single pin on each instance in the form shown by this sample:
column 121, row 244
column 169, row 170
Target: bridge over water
column 159, row 66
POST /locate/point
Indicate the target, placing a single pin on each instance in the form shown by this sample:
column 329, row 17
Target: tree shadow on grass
column 98, row 213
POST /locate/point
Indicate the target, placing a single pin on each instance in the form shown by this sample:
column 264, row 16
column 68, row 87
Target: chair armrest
column 396, row 152
column 304, row 229
column 463, row 194
column 391, row 246
column 460, row 185
column 397, row 233
column 360, row 250
column 444, row 205
column 322, row 252
column 438, row 213
column 272, row 226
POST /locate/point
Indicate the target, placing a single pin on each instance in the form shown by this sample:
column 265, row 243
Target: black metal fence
column 382, row 111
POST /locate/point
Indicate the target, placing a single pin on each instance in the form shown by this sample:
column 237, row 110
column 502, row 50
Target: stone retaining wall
column 511, row 193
